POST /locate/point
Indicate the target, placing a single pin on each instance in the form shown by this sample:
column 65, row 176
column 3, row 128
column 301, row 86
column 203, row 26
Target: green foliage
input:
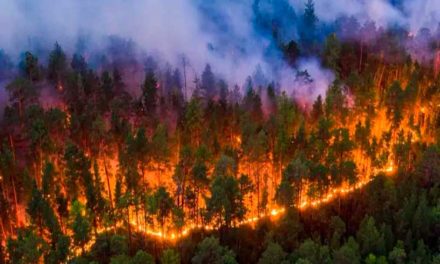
column 57, row 63
column 28, row 247
column 159, row 145
column 142, row 257
column 48, row 179
column 398, row 254
column 428, row 168
column 22, row 92
column 149, row 93
column 335, row 104
column 210, row 251
column 372, row 259
column 78, row 63
column 313, row 252
column 273, row 254
column 41, row 212
column 77, row 170
column 332, row 50
column 79, row 224
column 118, row 245
column 308, row 25
column 288, row 192
column 394, row 103
column 225, row 204
column 170, row 256
column 208, row 82
column 225, row 166
column 338, row 228
column 161, row 204
column 120, row 259
column 289, row 230
column 348, row 253
column 29, row 66
column 369, row 238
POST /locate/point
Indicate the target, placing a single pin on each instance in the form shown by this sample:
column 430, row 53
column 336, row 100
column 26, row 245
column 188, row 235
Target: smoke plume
column 223, row 33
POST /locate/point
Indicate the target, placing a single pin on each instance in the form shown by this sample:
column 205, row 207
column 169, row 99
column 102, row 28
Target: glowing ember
column 389, row 168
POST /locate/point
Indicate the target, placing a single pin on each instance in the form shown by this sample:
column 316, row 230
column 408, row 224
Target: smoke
column 223, row 33
column 423, row 13
column 308, row 82
column 168, row 29
column 411, row 14
column 380, row 11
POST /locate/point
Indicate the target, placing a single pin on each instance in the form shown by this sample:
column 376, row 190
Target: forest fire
column 334, row 193
column 216, row 132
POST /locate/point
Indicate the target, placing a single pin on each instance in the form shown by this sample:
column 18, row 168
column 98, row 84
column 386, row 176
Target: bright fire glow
column 389, row 168
column 334, row 193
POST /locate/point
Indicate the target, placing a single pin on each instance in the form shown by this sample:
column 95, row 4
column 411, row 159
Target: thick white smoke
column 413, row 14
column 168, row 28
column 218, row 32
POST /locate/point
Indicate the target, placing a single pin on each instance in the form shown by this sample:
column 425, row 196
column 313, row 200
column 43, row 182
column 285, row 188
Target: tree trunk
column 129, row 228
column 162, row 225
column 144, row 182
column 95, row 226
column 40, row 163
column 15, row 199
column 20, row 110
column 183, row 191
column 159, row 181
column 108, row 183
column 339, row 204
column 380, row 80
column 136, row 210
column 2, row 185
column 360, row 60
column 3, row 230
column 11, row 144
column 196, row 207
column 257, row 176
column 145, row 216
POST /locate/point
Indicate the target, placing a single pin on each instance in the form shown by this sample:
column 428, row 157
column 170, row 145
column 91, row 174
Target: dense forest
column 188, row 168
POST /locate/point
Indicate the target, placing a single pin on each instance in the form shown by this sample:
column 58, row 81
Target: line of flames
column 275, row 212
column 337, row 192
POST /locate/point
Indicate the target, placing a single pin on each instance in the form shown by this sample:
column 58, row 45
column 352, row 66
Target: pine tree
column 149, row 94
column 57, row 64
column 308, row 27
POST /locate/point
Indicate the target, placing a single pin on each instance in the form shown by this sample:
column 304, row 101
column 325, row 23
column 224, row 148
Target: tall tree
column 332, row 50
column 22, row 93
column 77, row 171
column 79, row 225
column 161, row 204
column 291, row 186
column 57, row 64
column 160, row 151
column 30, row 67
column 149, row 94
column 208, row 82
column 78, row 63
column 225, row 204
column 308, row 27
